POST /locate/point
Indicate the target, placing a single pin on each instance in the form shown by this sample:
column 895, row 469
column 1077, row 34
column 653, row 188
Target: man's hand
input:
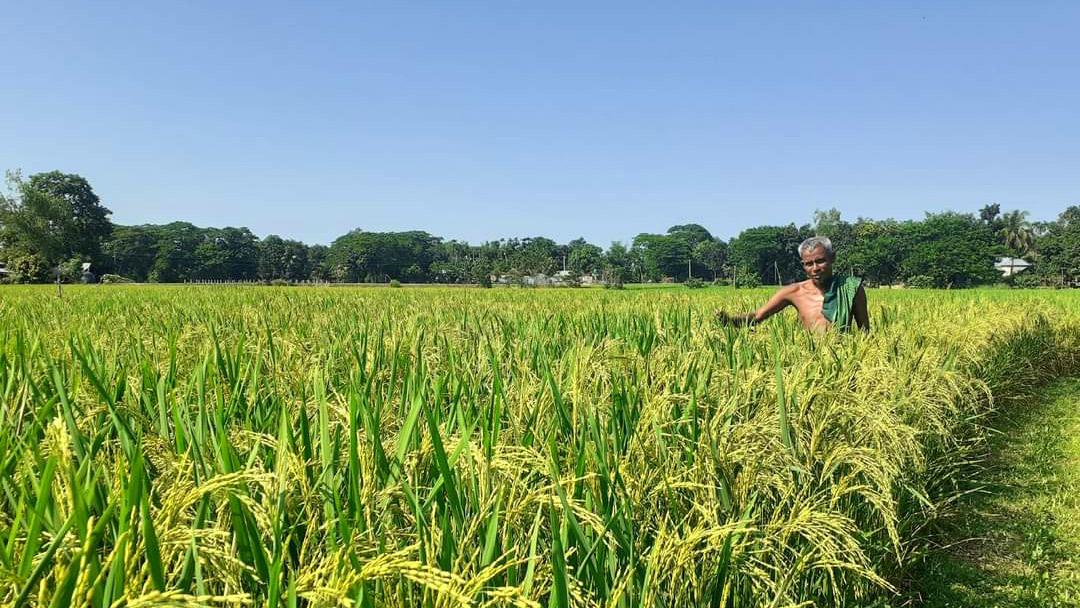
column 741, row 320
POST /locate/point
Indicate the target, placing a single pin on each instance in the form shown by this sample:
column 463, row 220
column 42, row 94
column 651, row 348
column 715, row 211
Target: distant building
column 87, row 276
column 1011, row 266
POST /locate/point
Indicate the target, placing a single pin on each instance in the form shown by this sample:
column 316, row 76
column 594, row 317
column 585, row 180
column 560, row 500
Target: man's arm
column 862, row 316
column 780, row 300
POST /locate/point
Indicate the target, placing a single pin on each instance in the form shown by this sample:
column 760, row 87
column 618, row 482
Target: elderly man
column 822, row 300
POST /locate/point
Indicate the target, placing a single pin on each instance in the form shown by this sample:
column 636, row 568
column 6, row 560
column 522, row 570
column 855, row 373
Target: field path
column 1018, row 543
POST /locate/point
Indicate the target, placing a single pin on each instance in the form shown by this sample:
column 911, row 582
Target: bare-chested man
column 822, row 300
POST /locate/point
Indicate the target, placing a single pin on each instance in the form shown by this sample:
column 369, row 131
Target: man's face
column 817, row 264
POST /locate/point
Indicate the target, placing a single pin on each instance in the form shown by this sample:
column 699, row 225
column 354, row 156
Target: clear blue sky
column 485, row 120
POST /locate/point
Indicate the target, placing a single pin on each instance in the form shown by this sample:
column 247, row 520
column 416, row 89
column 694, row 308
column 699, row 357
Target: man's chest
column 809, row 304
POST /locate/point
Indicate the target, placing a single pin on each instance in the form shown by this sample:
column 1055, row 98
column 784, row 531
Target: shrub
column 748, row 280
column 114, row 279
column 395, row 283
column 1026, row 280
column 694, row 283
column 920, row 281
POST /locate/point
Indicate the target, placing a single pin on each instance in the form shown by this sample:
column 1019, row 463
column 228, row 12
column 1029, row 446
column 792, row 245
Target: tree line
column 51, row 223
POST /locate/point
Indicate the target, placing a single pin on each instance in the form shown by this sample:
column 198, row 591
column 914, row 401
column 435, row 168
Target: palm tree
column 1017, row 234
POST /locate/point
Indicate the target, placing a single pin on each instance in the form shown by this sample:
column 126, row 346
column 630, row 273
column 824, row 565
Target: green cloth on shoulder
column 839, row 304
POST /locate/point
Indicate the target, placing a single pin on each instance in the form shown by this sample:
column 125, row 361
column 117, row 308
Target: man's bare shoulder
column 790, row 289
column 799, row 286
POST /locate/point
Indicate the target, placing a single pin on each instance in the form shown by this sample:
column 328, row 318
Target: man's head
column 816, row 253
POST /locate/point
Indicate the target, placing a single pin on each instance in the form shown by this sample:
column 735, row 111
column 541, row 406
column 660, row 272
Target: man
column 822, row 300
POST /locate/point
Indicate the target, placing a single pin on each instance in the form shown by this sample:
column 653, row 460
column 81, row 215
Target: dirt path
column 1018, row 543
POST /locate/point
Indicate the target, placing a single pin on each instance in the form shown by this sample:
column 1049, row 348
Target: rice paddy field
column 215, row 446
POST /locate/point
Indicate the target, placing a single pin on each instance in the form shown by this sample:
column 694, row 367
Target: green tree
column 226, row 254
column 765, row 251
column 361, row 256
column 584, row 258
column 89, row 220
column 874, row 252
column 175, row 260
column 663, row 255
column 989, row 213
column 692, row 234
column 1059, row 250
column 282, row 259
column 618, row 264
column 37, row 228
column 712, row 255
column 1016, row 233
column 948, row 250
column 317, row 267
column 131, row 250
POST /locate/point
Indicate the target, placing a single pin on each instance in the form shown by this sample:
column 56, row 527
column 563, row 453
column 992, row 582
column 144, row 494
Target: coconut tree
column 1017, row 234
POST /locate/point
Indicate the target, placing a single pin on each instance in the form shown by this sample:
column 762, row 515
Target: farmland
column 168, row 445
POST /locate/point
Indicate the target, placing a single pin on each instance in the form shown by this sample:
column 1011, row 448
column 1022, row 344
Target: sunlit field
column 507, row 447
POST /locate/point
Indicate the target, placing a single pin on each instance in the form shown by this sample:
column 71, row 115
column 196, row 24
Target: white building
column 1011, row 266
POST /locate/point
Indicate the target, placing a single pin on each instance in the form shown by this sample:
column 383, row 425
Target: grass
column 1016, row 542
column 463, row 447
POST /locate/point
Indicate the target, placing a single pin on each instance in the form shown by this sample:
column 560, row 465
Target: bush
column 920, row 281
column 279, row 283
column 29, row 268
column 395, row 283
column 614, row 285
column 110, row 279
column 1025, row 280
column 694, row 283
column 748, row 280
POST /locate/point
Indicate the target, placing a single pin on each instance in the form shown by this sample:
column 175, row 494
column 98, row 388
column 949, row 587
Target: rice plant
column 167, row 446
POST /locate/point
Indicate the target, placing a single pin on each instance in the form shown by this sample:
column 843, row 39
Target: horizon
column 485, row 122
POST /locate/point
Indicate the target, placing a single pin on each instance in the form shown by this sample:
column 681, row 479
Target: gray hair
column 814, row 242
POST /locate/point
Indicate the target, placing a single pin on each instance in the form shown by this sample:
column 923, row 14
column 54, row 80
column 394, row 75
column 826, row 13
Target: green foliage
column 86, row 222
column 921, row 281
column 226, row 254
column 52, row 217
column 395, row 283
column 875, row 252
column 109, row 279
column 280, row 258
column 694, row 283
column 450, row 447
column 662, row 255
column 583, row 257
column 71, row 270
column 377, row 257
column 712, row 255
column 766, row 250
column 40, row 217
column 745, row 278
column 1025, row 280
column 951, row 249
column 1024, row 515
column 28, row 268
column 1059, row 250
column 619, row 264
